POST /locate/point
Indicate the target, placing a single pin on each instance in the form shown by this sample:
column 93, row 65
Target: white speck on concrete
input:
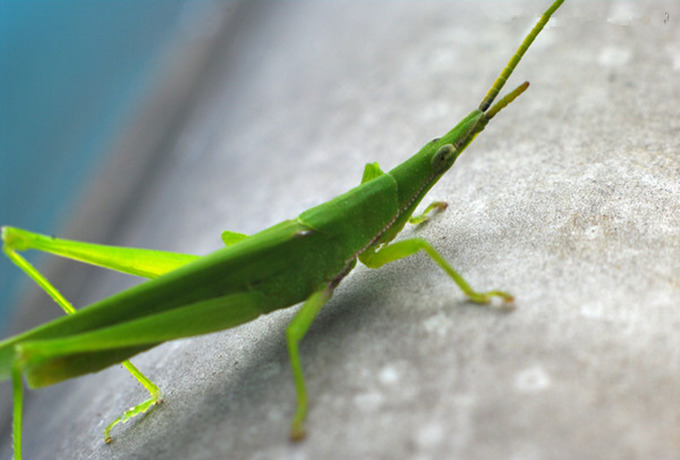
column 388, row 375
column 593, row 310
column 592, row 232
column 623, row 14
column 612, row 56
column 532, row 379
column 369, row 402
column 438, row 324
column 430, row 435
column 526, row 452
column 276, row 415
column 674, row 55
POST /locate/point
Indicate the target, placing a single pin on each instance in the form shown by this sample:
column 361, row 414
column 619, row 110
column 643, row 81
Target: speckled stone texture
column 570, row 200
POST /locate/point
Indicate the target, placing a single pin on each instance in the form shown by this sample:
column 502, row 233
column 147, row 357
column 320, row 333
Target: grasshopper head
column 449, row 147
column 419, row 173
column 445, row 151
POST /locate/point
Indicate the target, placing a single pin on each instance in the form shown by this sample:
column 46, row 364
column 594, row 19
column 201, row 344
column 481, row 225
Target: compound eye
column 442, row 158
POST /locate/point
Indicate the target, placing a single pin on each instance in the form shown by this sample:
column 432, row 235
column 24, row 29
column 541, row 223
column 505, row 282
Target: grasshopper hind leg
column 15, row 240
column 155, row 398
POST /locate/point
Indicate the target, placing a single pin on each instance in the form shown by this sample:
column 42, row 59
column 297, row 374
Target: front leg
column 420, row 218
column 405, row 248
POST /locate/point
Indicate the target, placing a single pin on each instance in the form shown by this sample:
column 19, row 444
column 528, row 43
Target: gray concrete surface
column 570, row 200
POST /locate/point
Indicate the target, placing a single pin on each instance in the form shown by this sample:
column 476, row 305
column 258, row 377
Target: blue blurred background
column 70, row 74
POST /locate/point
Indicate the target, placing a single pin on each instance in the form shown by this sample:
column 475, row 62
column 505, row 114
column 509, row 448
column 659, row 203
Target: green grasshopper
column 298, row 260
